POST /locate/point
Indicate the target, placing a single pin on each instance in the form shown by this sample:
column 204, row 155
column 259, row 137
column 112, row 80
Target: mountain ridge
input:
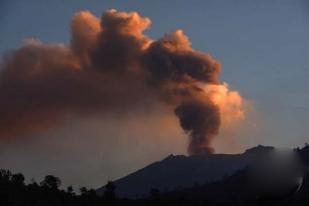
column 176, row 171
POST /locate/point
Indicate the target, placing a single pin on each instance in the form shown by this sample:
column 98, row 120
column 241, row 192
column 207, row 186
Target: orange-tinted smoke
column 110, row 66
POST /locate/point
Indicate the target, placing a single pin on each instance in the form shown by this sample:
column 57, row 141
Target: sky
column 262, row 46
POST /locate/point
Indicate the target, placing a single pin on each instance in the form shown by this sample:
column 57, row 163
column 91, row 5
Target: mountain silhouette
column 241, row 189
column 179, row 171
column 271, row 177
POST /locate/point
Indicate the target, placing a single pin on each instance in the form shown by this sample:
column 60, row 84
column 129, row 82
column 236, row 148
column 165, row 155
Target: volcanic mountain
column 179, row 171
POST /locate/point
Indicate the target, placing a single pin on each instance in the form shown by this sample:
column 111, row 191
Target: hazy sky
column 262, row 45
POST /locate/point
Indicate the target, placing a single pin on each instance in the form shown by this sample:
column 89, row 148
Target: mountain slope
column 182, row 171
column 241, row 189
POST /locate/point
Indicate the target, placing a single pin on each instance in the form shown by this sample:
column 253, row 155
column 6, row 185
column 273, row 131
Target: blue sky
column 263, row 47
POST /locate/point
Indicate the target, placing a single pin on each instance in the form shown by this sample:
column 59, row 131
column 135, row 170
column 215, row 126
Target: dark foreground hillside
column 235, row 189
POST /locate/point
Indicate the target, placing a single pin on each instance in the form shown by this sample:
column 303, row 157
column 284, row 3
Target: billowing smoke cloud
column 202, row 121
column 110, row 66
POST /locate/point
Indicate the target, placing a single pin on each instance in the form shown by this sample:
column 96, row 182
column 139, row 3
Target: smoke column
column 110, row 66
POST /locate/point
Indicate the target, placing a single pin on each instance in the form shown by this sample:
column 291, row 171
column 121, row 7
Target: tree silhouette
column 83, row 191
column 18, row 179
column 109, row 192
column 5, row 175
column 51, row 182
column 70, row 190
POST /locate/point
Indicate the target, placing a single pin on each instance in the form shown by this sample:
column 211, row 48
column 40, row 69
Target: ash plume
column 202, row 121
column 110, row 66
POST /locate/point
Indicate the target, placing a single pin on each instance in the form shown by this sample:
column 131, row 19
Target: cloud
column 111, row 67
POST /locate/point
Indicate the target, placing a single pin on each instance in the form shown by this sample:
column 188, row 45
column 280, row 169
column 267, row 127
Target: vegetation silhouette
column 230, row 190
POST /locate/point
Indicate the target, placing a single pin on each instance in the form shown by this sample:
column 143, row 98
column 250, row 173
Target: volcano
column 179, row 171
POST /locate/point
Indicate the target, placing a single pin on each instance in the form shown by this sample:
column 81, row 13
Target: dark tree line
column 231, row 190
column 14, row 191
column 228, row 191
